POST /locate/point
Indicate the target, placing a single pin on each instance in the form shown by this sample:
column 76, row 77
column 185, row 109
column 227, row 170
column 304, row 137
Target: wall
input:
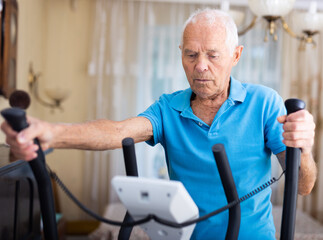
column 55, row 36
column 66, row 51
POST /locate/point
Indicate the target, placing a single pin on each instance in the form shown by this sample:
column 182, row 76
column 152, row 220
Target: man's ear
column 237, row 54
column 180, row 47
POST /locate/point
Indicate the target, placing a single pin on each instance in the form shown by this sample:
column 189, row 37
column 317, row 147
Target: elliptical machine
column 17, row 119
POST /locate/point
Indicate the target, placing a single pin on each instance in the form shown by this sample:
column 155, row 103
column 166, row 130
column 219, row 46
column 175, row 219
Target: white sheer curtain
column 133, row 44
column 303, row 78
column 134, row 59
column 260, row 62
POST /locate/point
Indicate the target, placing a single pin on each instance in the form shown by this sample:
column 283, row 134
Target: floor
column 77, row 238
column 306, row 227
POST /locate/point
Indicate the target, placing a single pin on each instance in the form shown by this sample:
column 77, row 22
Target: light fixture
column 308, row 23
column 56, row 95
column 273, row 12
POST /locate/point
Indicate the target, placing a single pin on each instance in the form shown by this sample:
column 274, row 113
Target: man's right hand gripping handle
column 16, row 118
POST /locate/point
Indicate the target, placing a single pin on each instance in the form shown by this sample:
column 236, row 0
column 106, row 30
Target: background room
column 87, row 59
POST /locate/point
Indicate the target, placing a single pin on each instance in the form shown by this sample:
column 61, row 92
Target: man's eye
column 213, row 56
column 192, row 55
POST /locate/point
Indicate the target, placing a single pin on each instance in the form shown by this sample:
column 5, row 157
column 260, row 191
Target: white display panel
column 166, row 199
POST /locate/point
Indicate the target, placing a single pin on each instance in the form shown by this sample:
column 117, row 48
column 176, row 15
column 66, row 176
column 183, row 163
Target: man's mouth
column 201, row 80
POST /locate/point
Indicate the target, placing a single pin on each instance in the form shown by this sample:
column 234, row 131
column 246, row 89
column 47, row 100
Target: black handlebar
column 230, row 190
column 291, row 180
column 129, row 154
column 128, row 147
column 16, row 117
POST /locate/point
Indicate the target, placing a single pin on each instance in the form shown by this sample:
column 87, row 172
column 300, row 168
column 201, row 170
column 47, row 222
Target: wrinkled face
column 207, row 60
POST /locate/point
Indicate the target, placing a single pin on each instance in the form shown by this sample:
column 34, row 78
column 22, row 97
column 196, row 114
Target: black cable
column 155, row 218
column 229, row 205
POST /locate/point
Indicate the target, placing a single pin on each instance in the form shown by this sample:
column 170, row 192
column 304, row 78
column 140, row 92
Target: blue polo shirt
column 247, row 125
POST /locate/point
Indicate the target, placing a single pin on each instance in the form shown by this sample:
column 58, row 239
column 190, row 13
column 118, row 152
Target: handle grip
column 128, row 146
column 16, row 118
column 293, row 105
column 230, row 190
column 293, row 156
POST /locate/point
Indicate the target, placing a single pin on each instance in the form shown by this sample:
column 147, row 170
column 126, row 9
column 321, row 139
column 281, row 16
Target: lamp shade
column 306, row 21
column 57, row 94
column 271, row 7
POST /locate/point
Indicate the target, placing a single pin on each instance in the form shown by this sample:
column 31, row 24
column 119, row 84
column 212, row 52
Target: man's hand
column 21, row 144
column 299, row 133
column 298, row 130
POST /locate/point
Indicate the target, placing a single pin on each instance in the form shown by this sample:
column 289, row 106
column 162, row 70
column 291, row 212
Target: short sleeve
column 274, row 129
column 154, row 115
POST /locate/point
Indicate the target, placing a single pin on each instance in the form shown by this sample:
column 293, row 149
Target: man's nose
column 201, row 65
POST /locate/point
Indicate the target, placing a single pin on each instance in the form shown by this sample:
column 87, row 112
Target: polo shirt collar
column 238, row 92
column 182, row 101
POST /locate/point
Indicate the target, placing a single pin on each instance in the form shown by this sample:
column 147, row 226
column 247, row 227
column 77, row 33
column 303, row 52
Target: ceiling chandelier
column 308, row 23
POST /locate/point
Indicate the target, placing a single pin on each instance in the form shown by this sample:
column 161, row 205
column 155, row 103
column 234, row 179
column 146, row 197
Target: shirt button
column 200, row 124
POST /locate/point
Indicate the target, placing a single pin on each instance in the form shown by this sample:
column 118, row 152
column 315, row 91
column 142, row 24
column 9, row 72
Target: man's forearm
column 307, row 174
column 100, row 134
column 95, row 135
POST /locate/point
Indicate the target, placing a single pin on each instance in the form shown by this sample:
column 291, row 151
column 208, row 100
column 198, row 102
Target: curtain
column 302, row 78
column 261, row 63
column 133, row 44
column 135, row 58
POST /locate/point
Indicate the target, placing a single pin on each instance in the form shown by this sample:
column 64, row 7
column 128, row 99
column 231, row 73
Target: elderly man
column 248, row 119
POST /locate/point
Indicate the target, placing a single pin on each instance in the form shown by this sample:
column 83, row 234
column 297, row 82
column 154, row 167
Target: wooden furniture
column 8, row 49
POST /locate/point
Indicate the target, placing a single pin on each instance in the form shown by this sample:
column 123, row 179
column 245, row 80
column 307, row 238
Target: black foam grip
column 16, row 118
column 230, row 190
column 129, row 154
column 293, row 156
column 294, row 105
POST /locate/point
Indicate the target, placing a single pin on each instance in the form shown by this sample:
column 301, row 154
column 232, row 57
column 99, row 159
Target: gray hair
column 212, row 16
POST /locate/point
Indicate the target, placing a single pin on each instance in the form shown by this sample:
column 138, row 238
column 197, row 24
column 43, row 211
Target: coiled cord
column 155, row 218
